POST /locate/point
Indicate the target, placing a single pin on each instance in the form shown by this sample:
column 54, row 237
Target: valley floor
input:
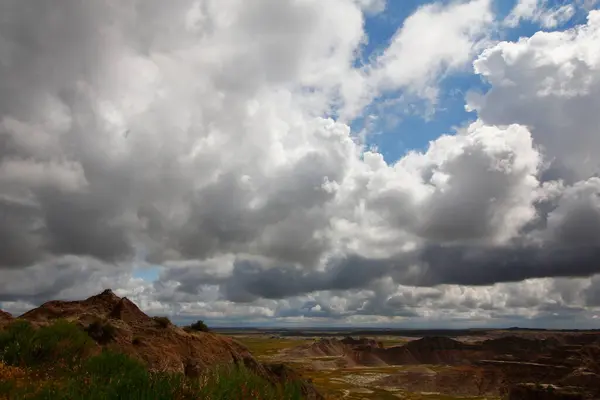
column 360, row 382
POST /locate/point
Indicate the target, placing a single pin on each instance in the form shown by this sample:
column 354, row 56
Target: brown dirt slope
column 348, row 352
column 361, row 342
column 430, row 350
column 321, row 348
column 5, row 317
column 165, row 347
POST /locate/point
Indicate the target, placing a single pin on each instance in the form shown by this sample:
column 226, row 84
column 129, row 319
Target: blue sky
column 413, row 131
column 150, row 273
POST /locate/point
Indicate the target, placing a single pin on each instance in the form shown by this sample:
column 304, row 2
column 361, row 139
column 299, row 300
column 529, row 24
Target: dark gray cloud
column 17, row 246
column 66, row 278
column 485, row 266
column 250, row 279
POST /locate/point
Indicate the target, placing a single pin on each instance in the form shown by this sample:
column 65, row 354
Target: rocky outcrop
column 128, row 312
column 429, row 350
column 99, row 305
column 436, row 350
column 361, row 342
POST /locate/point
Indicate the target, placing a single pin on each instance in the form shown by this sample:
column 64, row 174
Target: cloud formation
column 213, row 138
column 539, row 11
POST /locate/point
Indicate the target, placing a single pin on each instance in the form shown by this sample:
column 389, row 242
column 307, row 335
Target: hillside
column 117, row 324
column 5, row 317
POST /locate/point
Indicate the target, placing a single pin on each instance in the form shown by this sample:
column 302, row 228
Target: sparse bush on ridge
column 163, row 322
column 29, row 359
column 199, row 326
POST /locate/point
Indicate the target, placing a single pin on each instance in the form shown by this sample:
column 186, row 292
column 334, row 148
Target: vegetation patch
column 62, row 343
column 102, row 331
column 61, row 362
column 199, row 326
column 264, row 347
column 163, row 322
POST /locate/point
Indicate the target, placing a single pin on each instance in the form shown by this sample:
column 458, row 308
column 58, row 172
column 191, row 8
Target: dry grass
column 392, row 342
column 264, row 347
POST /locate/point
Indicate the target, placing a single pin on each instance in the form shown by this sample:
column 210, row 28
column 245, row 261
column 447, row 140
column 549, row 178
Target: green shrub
column 110, row 363
column 101, row 331
column 16, row 343
column 163, row 322
column 199, row 326
column 62, row 341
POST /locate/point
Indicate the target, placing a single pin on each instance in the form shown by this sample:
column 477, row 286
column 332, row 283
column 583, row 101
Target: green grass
column 393, row 342
column 116, row 376
column 56, row 362
column 265, row 347
column 61, row 342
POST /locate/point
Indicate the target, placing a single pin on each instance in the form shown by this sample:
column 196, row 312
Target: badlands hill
column 118, row 324
column 560, row 366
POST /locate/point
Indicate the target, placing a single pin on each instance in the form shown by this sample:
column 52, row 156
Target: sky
column 304, row 162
